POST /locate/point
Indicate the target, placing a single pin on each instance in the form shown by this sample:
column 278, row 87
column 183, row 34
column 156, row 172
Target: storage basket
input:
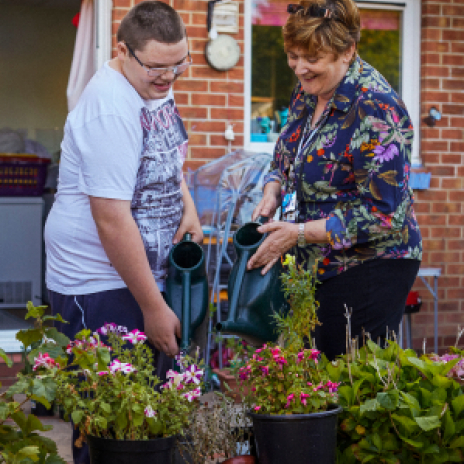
column 22, row 174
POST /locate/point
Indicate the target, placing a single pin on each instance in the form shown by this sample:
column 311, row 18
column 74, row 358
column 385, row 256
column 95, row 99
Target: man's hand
column 161, row 328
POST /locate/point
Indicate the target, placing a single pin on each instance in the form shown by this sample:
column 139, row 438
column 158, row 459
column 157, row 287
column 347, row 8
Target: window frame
column 410, row 52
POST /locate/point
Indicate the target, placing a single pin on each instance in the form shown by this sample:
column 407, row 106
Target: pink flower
column 257, row 408
column 43, row 360
column 149, row 412
column 265, row 370
column 191, row 395
column 193, row 375
column 290, row 398
column 318, row 387
column 117, row 366
column 300, row 356
column 135, row 336
column 314, row 355
column 303, row 398
column 332, row 386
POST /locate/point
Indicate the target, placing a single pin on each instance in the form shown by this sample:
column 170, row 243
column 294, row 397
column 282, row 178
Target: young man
column 122, row 201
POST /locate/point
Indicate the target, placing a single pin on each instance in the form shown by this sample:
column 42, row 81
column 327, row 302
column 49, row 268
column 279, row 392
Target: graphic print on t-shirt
column 157, row 202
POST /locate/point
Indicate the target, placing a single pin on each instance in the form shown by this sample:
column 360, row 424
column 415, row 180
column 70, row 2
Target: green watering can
column 253, row 298
column 187, row 287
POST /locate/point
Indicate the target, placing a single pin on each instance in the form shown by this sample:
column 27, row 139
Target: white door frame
column 103, row 16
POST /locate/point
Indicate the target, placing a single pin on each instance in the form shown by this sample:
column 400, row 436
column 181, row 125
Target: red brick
column 191, row 85
column 433, row 244
column 433, row 195
column 457, row 97
column 444, row 232
column 443, row 257
column 456, row 220
column 197, row 139
column 438, row 71
column 454, row 293
column 456, row 269
column 430, row 9
column 453, row 109
column 226, row 87
column 182, row 98
column 436, row 21
column 429, row 83
column 210, row 126
column 442, row 170
column 236, row 100
column 119, row 14
column 122, row 3
column 451, row 134
column 430, row 58
column 428, row 145
column 457, row 196
column 430, row 133
column 198, row 45
column 453, row 60
column 457, row 122
column 208, row 100
column 430, row 159
column 434, row 46
column 448, row 10
column 219, row 140
column 457, row 72
column 227, row 114
column 451, row 184
column 457, row 146
column 207, row 153
column 452, row 158
column 199, row 18
column 423, row 207
column 455, row 245
column 457, row 47
column 453, row 84
column 432, row 34
column 194, row 113
column 435, row 97
column 189, row 5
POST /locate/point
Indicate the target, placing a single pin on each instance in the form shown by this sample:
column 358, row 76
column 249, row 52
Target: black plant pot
column 110, row 451
column 39, row 410
column 296, row 438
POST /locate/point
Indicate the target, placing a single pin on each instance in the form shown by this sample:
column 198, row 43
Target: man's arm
column 124, row 247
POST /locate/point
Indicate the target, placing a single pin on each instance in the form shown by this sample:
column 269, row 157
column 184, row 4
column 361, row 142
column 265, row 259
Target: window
column 390, row 41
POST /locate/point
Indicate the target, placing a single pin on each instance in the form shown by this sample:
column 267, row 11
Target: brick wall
column 207, row 99
column 8, row 374
column 440, row 209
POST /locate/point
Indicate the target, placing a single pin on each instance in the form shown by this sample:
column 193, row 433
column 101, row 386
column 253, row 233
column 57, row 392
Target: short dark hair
column 319, row 34
column 151, row 20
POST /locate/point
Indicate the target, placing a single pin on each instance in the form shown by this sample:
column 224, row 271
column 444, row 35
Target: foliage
column 215, row 429
column 110, row 390
column 20, row 442
column 398, row 407
column 290, row 378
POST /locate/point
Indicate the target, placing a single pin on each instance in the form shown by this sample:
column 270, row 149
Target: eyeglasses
column 313, row 11
column 157, row 72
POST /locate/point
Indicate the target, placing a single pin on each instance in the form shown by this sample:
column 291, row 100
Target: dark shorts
column 376, row 291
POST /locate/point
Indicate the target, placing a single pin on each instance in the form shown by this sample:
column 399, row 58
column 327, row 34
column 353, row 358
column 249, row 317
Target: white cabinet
column 21, row 225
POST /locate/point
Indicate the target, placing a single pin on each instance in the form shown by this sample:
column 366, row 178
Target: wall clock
column 223, row 52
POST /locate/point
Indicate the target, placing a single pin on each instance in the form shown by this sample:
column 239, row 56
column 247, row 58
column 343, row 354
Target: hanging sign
column 225, row 17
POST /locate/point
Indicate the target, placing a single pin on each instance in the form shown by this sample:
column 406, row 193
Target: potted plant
column 20, row 441
column 399, row 407
column 293, row 401
column 104, row 381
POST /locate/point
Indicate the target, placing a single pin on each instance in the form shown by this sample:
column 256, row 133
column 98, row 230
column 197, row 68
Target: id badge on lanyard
column 289, row 203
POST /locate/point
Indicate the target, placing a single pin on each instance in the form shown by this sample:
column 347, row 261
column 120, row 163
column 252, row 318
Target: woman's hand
column 282, row 237
column 269, row 203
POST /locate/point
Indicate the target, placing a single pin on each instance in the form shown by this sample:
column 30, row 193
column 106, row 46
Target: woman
column 340, row 172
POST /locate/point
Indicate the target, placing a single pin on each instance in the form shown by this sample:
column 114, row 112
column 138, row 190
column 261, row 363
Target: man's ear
column 349, row 53
column 121, row 51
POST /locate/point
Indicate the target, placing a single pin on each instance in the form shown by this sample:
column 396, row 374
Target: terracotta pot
column 241, row 460
column 225, row 376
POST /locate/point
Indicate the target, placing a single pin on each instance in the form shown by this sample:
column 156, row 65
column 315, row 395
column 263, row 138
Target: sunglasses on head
column 314, row 11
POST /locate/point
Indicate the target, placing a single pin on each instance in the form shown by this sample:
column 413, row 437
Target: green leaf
column 449, row 426
column 388, row 400
column 30, row 451
column 369, row 405
column 77, row 416
column 59, row 337
column 412, row 402
column 54, row 459
column 376, row 440
column 413, row 443
column 29, row 336
column 458, row 442
column 428, row 423
column 6, row 358
column 409, row 424
column 458, row 404
column 441, row 381
column 345, row 392
column 106, row 407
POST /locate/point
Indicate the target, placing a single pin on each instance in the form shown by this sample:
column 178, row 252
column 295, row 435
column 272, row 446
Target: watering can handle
column 185, row 311
column 238, row 284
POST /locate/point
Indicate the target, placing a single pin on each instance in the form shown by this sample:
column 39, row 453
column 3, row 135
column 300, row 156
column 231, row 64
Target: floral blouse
column 354, row 172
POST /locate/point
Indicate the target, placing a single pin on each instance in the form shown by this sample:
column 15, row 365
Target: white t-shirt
column 116, row 145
